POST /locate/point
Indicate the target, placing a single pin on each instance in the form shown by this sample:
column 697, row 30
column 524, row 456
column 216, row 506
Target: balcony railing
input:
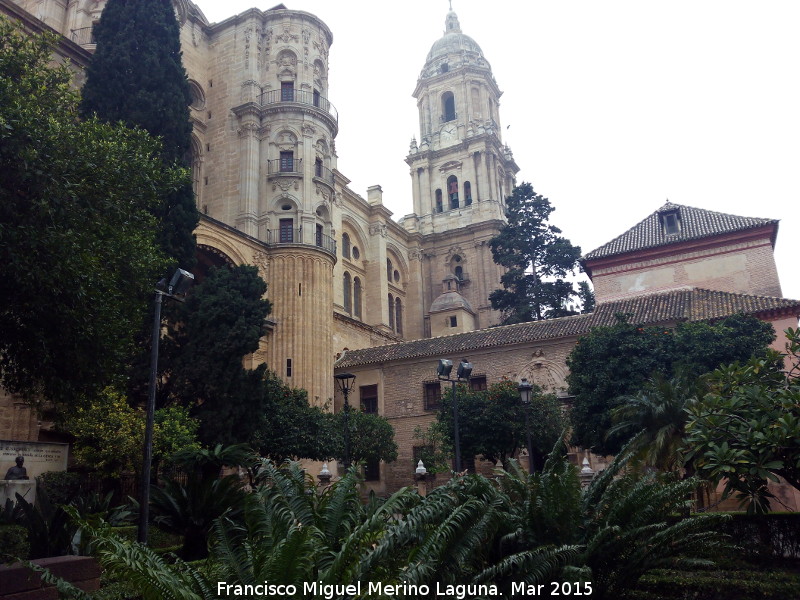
column 295, row 236
column 299, row 97
column 323, row 173
column 284, row 166
column 83, row 36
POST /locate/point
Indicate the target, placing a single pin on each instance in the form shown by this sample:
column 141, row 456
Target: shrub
column 61, row 487
column 13, row 543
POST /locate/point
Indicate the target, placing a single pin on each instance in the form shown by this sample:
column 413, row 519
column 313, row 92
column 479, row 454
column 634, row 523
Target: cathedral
column 354, row 290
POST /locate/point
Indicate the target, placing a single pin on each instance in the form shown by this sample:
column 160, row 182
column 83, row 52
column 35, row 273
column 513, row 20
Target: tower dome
column 454, row 49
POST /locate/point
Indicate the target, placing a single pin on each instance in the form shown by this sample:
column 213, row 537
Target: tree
column 109, row 434
column 136, row 76
column 746, row 430
column 286, row 426
column 614, row 362
column 537, row 259
column 492, row 422
column 77, row 240
column 371, row 437
column 658, row 410
column 222, row 321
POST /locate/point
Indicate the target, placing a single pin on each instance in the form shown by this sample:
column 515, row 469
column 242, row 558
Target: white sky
column 612, row 106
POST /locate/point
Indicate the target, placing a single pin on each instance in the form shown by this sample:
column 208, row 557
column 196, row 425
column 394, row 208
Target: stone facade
column 352, row 289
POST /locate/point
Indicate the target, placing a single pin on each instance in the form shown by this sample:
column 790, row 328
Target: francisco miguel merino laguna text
column 331, row 591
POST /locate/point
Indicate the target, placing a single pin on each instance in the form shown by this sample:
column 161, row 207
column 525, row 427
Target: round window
column 396, row 276
column 286, row 207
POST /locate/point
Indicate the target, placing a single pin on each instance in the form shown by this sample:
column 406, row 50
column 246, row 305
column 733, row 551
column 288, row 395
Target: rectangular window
column 453, row 321
column 286, row 231
column 287, row 162
column 477, row 383
column 316, row 97
column 433, row 395
column 319, row 236
column 288, row 367
column 369, row 398
column 287, row 91
column 372, row 470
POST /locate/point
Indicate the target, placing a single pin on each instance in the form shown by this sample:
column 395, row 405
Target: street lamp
column 525, row 390
column 443, row 371
column 176, row 289
column 345, row 383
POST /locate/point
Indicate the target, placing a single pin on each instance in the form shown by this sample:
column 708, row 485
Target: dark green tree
column 615, row 362
column 371, row 437
column 137, row 77
column 537, row 259
column 77, row 240
column 222, row 321
column 287, row 426
column 492, row 422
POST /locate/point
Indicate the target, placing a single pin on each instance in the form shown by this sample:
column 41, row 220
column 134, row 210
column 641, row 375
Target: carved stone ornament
column 261, row 260
column 378, row 229
column 415, row 254
column 309, row 130
column 306, row 35
column 284, row 184
column 248, row 130
column 248, row 33
column 324, row 193
column 287, row 36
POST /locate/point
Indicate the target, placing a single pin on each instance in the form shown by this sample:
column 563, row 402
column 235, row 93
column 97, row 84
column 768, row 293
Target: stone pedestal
column 9, row 488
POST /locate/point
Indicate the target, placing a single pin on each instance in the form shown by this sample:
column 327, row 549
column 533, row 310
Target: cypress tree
column 137, row 77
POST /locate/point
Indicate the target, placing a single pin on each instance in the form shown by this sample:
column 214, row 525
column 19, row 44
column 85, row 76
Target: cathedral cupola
column 453, row 50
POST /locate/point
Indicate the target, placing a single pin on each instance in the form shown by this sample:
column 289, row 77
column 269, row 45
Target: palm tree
column 659, row 411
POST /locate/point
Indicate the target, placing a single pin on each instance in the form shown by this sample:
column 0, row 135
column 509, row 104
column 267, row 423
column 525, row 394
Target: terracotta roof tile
column 695, row 223
column 680, row 305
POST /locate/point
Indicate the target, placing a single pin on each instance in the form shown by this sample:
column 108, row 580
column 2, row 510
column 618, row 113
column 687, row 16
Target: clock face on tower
column 448, row 134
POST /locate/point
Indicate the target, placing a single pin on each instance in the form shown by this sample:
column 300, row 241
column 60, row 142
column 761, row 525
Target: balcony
column 283, row 166
column 294, row 235
column 324, row 174
column 83, row 36
column 274, row 97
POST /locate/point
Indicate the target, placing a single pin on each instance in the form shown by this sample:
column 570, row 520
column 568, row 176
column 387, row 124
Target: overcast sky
column 610, row 107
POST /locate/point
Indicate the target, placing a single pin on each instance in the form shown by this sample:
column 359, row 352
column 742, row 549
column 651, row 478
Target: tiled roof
column 680, row 305
column 695, row 223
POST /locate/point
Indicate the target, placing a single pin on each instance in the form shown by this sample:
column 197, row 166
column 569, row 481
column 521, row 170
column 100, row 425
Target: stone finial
column 324, row 474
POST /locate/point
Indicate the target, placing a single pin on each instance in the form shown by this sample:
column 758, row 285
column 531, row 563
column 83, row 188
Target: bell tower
column 461, row 173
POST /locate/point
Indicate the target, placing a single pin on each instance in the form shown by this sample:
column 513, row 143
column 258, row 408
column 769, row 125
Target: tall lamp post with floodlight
column 176, row 289
column 344, row 381
column 525, row 391
column 462, row 374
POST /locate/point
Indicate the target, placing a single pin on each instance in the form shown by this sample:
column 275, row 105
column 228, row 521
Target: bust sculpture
column 18, row 471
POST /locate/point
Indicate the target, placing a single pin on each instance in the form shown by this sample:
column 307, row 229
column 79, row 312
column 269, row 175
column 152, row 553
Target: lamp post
column 443, row 373
column 176, row 289
column 345, row 383
column 525, row 390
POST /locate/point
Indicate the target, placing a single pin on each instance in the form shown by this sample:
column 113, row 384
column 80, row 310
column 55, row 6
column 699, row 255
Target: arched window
column 459, row 272
column 467, row 193
column 438, row 201
column 357, row 297
column 391, row 312
column 348, row 303
column 398, row 316
column 345, row 245
column 389, row 269
column 448, row 107
column 452, row 191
